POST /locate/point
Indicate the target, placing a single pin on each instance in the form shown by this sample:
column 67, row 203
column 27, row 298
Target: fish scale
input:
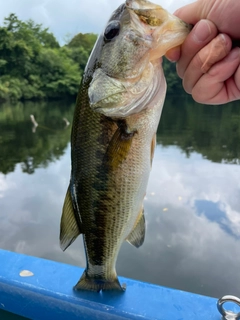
column 117, row 113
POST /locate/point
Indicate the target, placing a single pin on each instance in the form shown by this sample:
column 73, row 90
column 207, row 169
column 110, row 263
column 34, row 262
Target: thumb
column 193, row 12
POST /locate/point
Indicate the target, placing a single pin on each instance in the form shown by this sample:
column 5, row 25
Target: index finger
column 203, row 32
column 193, row 12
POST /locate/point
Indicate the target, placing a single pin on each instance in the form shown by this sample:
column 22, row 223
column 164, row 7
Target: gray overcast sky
column 69, row 17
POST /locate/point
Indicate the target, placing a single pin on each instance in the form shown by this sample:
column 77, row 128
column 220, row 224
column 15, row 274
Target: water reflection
column 192, row 204
column 189, row 250
column 216, row 212
column 213, row 131
column 18, row 144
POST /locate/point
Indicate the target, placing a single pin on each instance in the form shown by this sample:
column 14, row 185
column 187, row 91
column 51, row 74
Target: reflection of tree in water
column 33, row 150
column 213, row 131
column 28, row 165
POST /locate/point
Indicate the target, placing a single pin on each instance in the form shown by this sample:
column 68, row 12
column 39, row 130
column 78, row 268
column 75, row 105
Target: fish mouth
column 166, row 30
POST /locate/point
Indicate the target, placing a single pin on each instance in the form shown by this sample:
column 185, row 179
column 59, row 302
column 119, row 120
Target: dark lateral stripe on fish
column 99, row 154
column 97, row 235
column 108, row 127
column 116, row 153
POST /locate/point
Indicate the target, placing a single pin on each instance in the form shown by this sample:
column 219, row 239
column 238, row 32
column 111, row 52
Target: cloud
column 183, row 248
column 5, row 185
column 69, row 17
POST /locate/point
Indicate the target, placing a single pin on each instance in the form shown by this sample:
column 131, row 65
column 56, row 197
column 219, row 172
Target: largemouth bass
column 113, row 137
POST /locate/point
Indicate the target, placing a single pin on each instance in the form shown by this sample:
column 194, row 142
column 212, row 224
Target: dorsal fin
column 137, row 235
column 70, row 228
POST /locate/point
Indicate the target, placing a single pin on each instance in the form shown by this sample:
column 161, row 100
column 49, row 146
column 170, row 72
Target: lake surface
column 192, row 205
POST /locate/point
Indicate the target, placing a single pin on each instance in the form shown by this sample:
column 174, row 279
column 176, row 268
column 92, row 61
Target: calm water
column 192, row 205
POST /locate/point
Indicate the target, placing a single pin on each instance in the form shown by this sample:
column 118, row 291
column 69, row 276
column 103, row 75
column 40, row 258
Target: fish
column 113, row 137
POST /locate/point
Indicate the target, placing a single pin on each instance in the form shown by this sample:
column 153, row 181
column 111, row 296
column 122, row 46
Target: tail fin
column 97, row 284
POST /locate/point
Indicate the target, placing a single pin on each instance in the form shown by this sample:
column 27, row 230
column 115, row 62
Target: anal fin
column 137, row 235
column 70, row 228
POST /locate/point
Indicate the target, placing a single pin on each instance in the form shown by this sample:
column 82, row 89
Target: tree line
column 34, row 66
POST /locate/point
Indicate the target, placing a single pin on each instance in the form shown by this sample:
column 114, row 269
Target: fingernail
column 170, row 59
column 202, row 31
column 224, row 38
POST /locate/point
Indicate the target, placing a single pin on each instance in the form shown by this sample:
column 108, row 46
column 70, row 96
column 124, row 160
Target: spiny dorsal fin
column 137, row 235
column 69, row 229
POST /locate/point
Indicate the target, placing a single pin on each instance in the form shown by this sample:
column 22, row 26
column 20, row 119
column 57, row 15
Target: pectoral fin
column 70, row 228
column 153, row 145
column 119, row 145
column 137, row 235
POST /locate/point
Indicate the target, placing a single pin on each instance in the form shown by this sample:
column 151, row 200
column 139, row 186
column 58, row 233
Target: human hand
column 206, row 63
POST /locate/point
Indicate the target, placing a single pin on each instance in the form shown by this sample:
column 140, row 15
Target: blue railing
column 47, row 294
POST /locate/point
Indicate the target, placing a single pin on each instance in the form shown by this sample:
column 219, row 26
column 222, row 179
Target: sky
column 66, row 18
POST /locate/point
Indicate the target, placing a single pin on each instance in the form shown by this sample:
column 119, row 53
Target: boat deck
column 47, row 294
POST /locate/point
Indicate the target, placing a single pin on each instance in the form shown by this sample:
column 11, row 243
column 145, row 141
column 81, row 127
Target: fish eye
column 112, row 30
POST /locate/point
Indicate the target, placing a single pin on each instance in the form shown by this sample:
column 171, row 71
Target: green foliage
column 60, row 76
column 30, row 31
column 86, row 40
column 80, row 48
column 34, row 66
